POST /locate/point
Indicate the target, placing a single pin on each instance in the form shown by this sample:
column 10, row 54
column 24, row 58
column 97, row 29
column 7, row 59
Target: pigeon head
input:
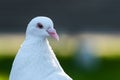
column 41, row 27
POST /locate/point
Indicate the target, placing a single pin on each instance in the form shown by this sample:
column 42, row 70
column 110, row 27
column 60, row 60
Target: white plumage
column 35, row 59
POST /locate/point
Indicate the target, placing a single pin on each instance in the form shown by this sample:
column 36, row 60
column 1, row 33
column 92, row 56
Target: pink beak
column 52, row 32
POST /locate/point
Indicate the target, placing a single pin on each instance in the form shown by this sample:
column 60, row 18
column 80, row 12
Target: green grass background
column 109, row 69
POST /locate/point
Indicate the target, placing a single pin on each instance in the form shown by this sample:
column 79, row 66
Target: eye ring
column 39, row 25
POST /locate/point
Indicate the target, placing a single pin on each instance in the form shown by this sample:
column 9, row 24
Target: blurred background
column 89, row 46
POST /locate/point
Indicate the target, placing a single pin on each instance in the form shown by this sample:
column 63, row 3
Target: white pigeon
column 35, row 59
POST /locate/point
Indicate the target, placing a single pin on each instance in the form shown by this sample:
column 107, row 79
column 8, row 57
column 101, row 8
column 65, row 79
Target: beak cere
column 52, row 32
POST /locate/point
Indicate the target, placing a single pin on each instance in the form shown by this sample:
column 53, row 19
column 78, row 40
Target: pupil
column 40, row 25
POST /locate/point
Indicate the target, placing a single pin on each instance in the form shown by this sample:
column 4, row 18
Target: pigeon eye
column 39, row 25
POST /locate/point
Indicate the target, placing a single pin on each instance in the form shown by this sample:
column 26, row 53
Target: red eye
column 39, row 25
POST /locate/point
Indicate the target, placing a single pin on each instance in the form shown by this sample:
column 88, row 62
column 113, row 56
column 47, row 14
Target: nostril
column 51, row 30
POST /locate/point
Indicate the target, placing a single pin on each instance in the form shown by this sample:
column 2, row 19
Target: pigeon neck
column 34, row 39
